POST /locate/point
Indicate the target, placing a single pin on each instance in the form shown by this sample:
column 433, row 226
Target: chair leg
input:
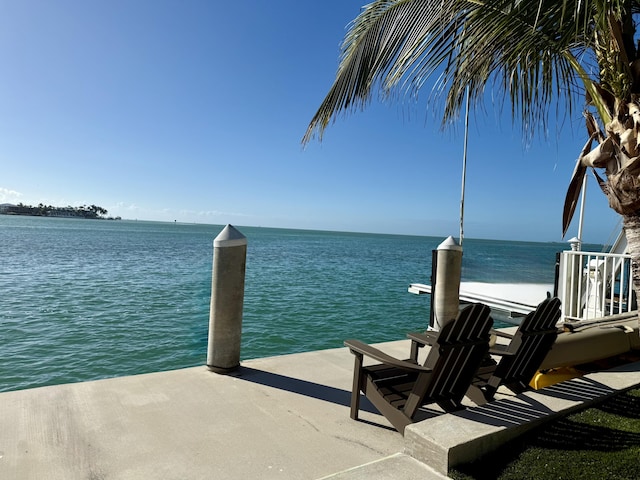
column 415, row 348
column 357, row 384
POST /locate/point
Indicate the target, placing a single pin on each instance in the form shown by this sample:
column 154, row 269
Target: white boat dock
column 515, row 299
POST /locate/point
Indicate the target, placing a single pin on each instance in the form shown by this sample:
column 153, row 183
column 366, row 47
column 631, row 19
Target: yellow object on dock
column 553, row 376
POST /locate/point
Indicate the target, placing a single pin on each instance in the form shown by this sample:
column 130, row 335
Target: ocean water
column 90, row 299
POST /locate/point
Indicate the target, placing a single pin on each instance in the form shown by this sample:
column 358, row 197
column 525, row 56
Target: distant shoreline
column 91, row 212
column 58, row 216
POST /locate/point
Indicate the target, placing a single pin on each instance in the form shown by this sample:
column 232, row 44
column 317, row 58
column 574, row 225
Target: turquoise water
column 90, row 299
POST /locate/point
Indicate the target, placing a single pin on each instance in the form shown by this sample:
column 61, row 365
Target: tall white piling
column 227, row 298
column 447, row 284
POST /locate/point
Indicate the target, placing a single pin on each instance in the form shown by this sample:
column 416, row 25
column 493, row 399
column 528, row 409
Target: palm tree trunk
column 632, row 232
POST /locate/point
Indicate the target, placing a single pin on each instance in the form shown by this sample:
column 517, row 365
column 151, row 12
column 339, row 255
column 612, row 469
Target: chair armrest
column 423, row 338
column 357, row 347
column 420, row 340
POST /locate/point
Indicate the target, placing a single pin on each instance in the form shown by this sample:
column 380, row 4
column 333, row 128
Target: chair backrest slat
column 531, row 343
column 460, row 347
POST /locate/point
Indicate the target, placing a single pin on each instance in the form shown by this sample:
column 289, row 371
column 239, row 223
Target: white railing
column 594, row 285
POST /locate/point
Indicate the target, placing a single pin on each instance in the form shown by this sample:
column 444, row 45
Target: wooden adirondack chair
column 398, row 388
column 523, row 356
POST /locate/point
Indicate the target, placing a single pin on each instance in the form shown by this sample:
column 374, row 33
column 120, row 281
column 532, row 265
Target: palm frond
column 530, row 53
column 374, row 41
column 575, row 185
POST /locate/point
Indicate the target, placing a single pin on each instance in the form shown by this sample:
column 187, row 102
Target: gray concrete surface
column 282, row 417
column 395, row 467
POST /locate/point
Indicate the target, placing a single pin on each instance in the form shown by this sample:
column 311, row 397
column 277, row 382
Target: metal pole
column 582, row 203
column 464, row 168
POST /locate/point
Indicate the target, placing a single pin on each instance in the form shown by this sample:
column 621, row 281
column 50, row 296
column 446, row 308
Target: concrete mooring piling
column 227, row 299
column 446, row 297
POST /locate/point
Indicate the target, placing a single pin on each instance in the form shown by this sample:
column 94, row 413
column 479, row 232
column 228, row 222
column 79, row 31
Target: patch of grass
column 602, row 442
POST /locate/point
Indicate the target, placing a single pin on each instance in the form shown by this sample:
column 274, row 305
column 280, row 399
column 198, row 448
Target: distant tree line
column 84, row 211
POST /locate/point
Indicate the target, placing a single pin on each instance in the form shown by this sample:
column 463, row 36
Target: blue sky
column 194, row 111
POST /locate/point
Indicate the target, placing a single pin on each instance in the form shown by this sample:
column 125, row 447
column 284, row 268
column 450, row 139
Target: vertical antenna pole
column 582, row 203
column 464, row 167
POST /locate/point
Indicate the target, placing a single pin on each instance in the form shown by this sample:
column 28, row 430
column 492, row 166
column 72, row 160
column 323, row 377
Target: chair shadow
column 563, row 434
column 507, row 412
column 503, row 412
column 567, row 434
column 625, row 405
column 303, row 387
column 578, row 389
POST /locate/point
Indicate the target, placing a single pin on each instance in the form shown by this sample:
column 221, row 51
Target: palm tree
column 537, row 55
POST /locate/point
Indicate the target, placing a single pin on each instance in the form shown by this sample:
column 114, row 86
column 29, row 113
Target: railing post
column 573, row 306
column 227, row 298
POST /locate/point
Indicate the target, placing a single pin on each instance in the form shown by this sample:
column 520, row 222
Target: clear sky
column 194, row 111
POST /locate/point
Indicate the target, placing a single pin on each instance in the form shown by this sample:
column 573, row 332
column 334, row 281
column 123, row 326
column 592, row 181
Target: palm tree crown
column 533, row 54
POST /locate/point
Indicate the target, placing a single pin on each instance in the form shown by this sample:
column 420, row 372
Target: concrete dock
column 282, row 417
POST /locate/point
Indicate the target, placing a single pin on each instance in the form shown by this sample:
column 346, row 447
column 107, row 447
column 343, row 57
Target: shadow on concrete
column 321, row 392
column 573, row 446
column 527, row 410
column 579, row 390
column 303, row 387
column 507, row 413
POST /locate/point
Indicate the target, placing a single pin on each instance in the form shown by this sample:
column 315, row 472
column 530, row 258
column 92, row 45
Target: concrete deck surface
column 282, row 417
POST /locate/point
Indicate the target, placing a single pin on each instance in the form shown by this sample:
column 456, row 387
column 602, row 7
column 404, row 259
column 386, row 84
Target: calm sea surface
column 90, row 299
